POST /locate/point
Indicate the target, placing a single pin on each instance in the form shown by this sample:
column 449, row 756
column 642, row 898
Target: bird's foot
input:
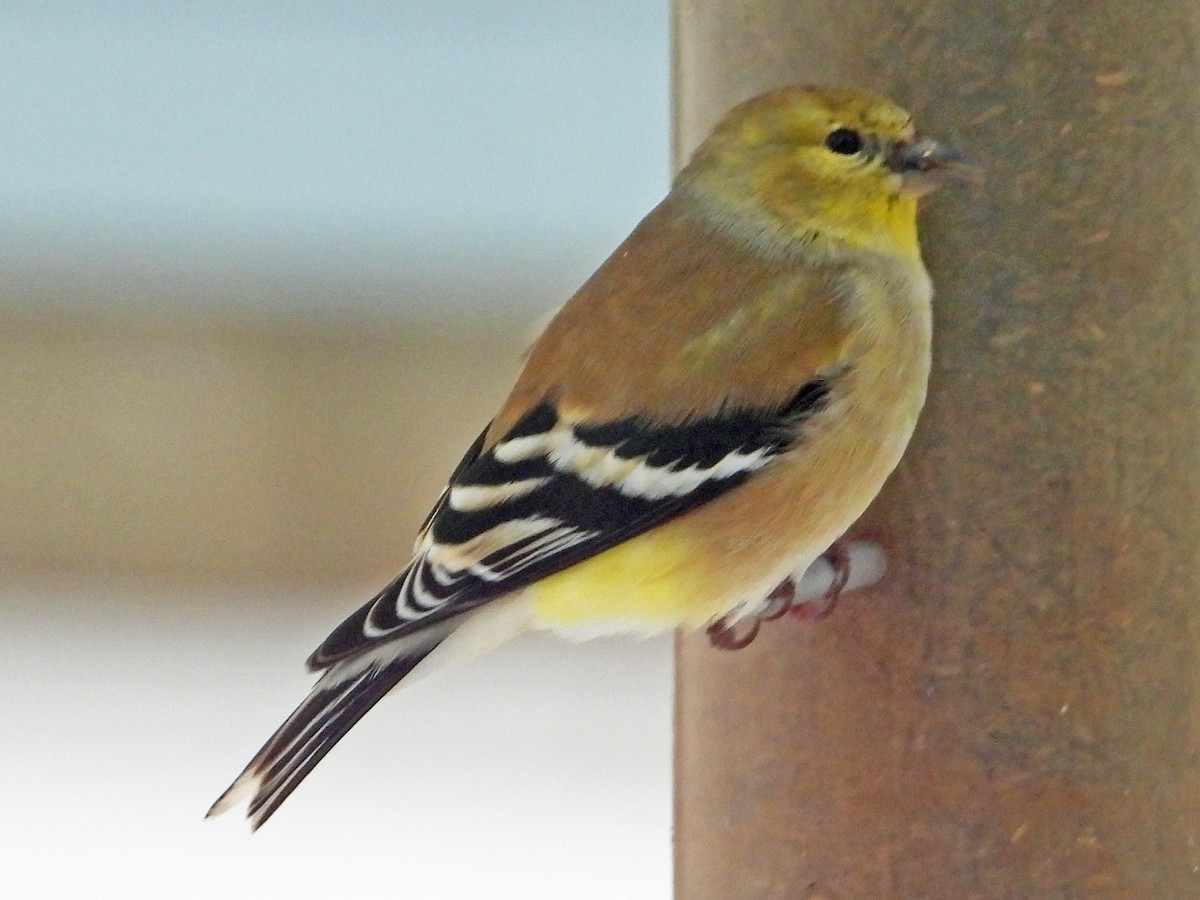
column 838, row 558
column 739, row 628
column 729, row 633
column 733, row 632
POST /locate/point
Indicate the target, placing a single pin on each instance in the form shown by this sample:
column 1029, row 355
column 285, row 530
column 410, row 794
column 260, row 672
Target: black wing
column 550, row 494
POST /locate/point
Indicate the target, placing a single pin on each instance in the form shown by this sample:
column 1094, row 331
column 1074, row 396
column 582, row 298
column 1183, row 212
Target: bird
column 708, row 413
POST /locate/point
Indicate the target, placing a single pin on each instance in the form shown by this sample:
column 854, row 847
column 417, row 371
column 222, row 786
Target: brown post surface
column 1014, row 712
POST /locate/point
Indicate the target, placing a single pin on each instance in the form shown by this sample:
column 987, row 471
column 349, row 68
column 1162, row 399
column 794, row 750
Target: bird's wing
column 550, row 493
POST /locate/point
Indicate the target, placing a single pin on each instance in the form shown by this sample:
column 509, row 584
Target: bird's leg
column 839, row 560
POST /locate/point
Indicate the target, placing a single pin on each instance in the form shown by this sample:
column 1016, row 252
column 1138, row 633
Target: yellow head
column 819, row 164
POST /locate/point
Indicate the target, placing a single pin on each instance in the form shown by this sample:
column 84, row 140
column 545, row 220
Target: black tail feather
column 343, row 696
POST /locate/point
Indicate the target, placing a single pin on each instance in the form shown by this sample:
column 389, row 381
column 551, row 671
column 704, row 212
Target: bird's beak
column 924, row 165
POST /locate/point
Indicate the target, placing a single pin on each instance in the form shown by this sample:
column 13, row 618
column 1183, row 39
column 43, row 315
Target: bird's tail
column 344, row 694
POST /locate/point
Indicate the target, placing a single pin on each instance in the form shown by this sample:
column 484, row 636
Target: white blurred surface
column 540, row 771
column 319, row 157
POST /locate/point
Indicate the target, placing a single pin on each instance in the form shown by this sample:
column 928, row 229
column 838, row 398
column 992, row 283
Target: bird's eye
column 845, row 141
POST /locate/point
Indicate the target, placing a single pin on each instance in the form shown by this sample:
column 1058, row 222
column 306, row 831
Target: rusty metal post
column 1015, row 713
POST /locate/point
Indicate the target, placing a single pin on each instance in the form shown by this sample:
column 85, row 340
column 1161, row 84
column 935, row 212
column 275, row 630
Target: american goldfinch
column 710, row 411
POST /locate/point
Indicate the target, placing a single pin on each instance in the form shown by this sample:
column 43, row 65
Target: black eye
column 846, row 141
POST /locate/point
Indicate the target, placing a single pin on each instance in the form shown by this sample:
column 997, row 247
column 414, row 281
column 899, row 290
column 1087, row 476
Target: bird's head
column 819, row 162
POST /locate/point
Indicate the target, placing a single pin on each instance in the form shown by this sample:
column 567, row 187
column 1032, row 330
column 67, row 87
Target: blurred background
column 265, row 270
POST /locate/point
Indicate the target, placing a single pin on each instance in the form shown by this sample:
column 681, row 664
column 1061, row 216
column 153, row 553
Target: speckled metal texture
column 1014, row 713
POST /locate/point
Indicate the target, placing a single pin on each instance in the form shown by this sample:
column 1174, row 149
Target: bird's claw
column 728, row 633
column 733, row 632
column 737, row 630
column 839, row 560
column 779, row 601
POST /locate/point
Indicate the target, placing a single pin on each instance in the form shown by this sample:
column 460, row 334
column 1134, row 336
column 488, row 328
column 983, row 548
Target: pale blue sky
column 378, row 138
